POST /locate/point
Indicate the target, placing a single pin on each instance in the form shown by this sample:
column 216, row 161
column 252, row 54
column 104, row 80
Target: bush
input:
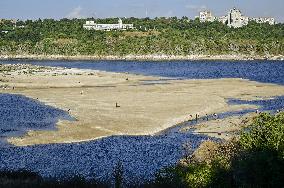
column 255, row 160
column 258, row 169
column 261, row 162
column 265, row 134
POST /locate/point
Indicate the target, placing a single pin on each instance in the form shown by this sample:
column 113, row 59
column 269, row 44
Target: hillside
column 159, row 36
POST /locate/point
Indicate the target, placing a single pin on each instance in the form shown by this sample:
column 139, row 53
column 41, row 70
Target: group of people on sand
column 197, row 116
column 277, row 111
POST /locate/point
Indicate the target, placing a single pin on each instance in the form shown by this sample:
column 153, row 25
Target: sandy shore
column 226, row 128
column 145, row 108
column 152, row 57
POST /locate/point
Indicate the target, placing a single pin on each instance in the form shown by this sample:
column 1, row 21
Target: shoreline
column 92, row 98
column 153, row 57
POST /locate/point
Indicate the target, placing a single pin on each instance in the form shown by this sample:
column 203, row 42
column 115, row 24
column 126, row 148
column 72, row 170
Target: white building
column 222, row 19
column 91, row 25
column 234, row 18
column 206, row 16
column 270, row 21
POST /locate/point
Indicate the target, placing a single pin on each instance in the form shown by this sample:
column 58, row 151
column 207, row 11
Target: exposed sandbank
column 226, row 128
column 91, row 97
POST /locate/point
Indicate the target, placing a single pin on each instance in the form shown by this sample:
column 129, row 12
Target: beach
column 226, row 129
column 106, row 104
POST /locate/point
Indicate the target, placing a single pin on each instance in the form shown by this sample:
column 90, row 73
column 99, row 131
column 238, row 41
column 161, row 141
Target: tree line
column 170, row 36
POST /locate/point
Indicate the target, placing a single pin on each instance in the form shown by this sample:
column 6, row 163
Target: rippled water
column 18, row 114
column 262, row 71
column 141, row 156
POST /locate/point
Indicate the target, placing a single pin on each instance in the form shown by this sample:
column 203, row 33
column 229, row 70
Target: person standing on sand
column 196, row 117
column 215, row 116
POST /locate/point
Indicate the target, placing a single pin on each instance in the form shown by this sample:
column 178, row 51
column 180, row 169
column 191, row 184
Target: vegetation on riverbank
column 254, row 160
column 160, row 36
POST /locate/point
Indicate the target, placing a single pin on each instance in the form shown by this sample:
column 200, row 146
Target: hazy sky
column 34, row 9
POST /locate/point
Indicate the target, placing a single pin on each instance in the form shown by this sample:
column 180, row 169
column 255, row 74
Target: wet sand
column 227, row 128
column 144, row 109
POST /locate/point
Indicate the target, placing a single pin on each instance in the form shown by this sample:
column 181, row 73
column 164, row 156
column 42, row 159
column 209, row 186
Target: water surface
column 141, row 156
column 262, row 71
column 19, row 114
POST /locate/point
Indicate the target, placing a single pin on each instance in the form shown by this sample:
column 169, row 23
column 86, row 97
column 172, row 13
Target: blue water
column 141, row 156
column 262, row 71
column 272, row 105
column 19, row 114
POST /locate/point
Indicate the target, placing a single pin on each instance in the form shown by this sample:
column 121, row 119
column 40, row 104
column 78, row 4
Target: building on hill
column 270, row 21
column 234, row 18
column 91, row 25
column 222, row 19
column 206, row 16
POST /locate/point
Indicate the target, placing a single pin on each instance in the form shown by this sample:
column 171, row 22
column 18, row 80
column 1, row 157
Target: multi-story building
column 206, row 16
column 91, row 25
column 234, row 18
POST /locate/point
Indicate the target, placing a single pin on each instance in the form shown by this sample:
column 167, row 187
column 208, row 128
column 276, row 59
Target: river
column 141, row 156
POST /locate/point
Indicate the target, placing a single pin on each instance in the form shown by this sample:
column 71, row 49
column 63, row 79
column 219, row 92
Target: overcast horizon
column 35, row 9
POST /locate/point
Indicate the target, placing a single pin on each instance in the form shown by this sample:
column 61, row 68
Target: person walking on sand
column 196, row 117
column 215, row 116
column 116, row 105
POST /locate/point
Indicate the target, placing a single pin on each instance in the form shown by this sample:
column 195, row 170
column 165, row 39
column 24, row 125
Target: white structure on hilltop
column 91, row 25
column 206, row 16
column 222, row 19
column 234, row 18
column 271, row 21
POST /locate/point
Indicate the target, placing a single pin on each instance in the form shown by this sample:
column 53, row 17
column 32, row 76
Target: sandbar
column 92, row 98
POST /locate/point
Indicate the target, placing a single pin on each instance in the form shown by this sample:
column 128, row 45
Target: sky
column 57, row 9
